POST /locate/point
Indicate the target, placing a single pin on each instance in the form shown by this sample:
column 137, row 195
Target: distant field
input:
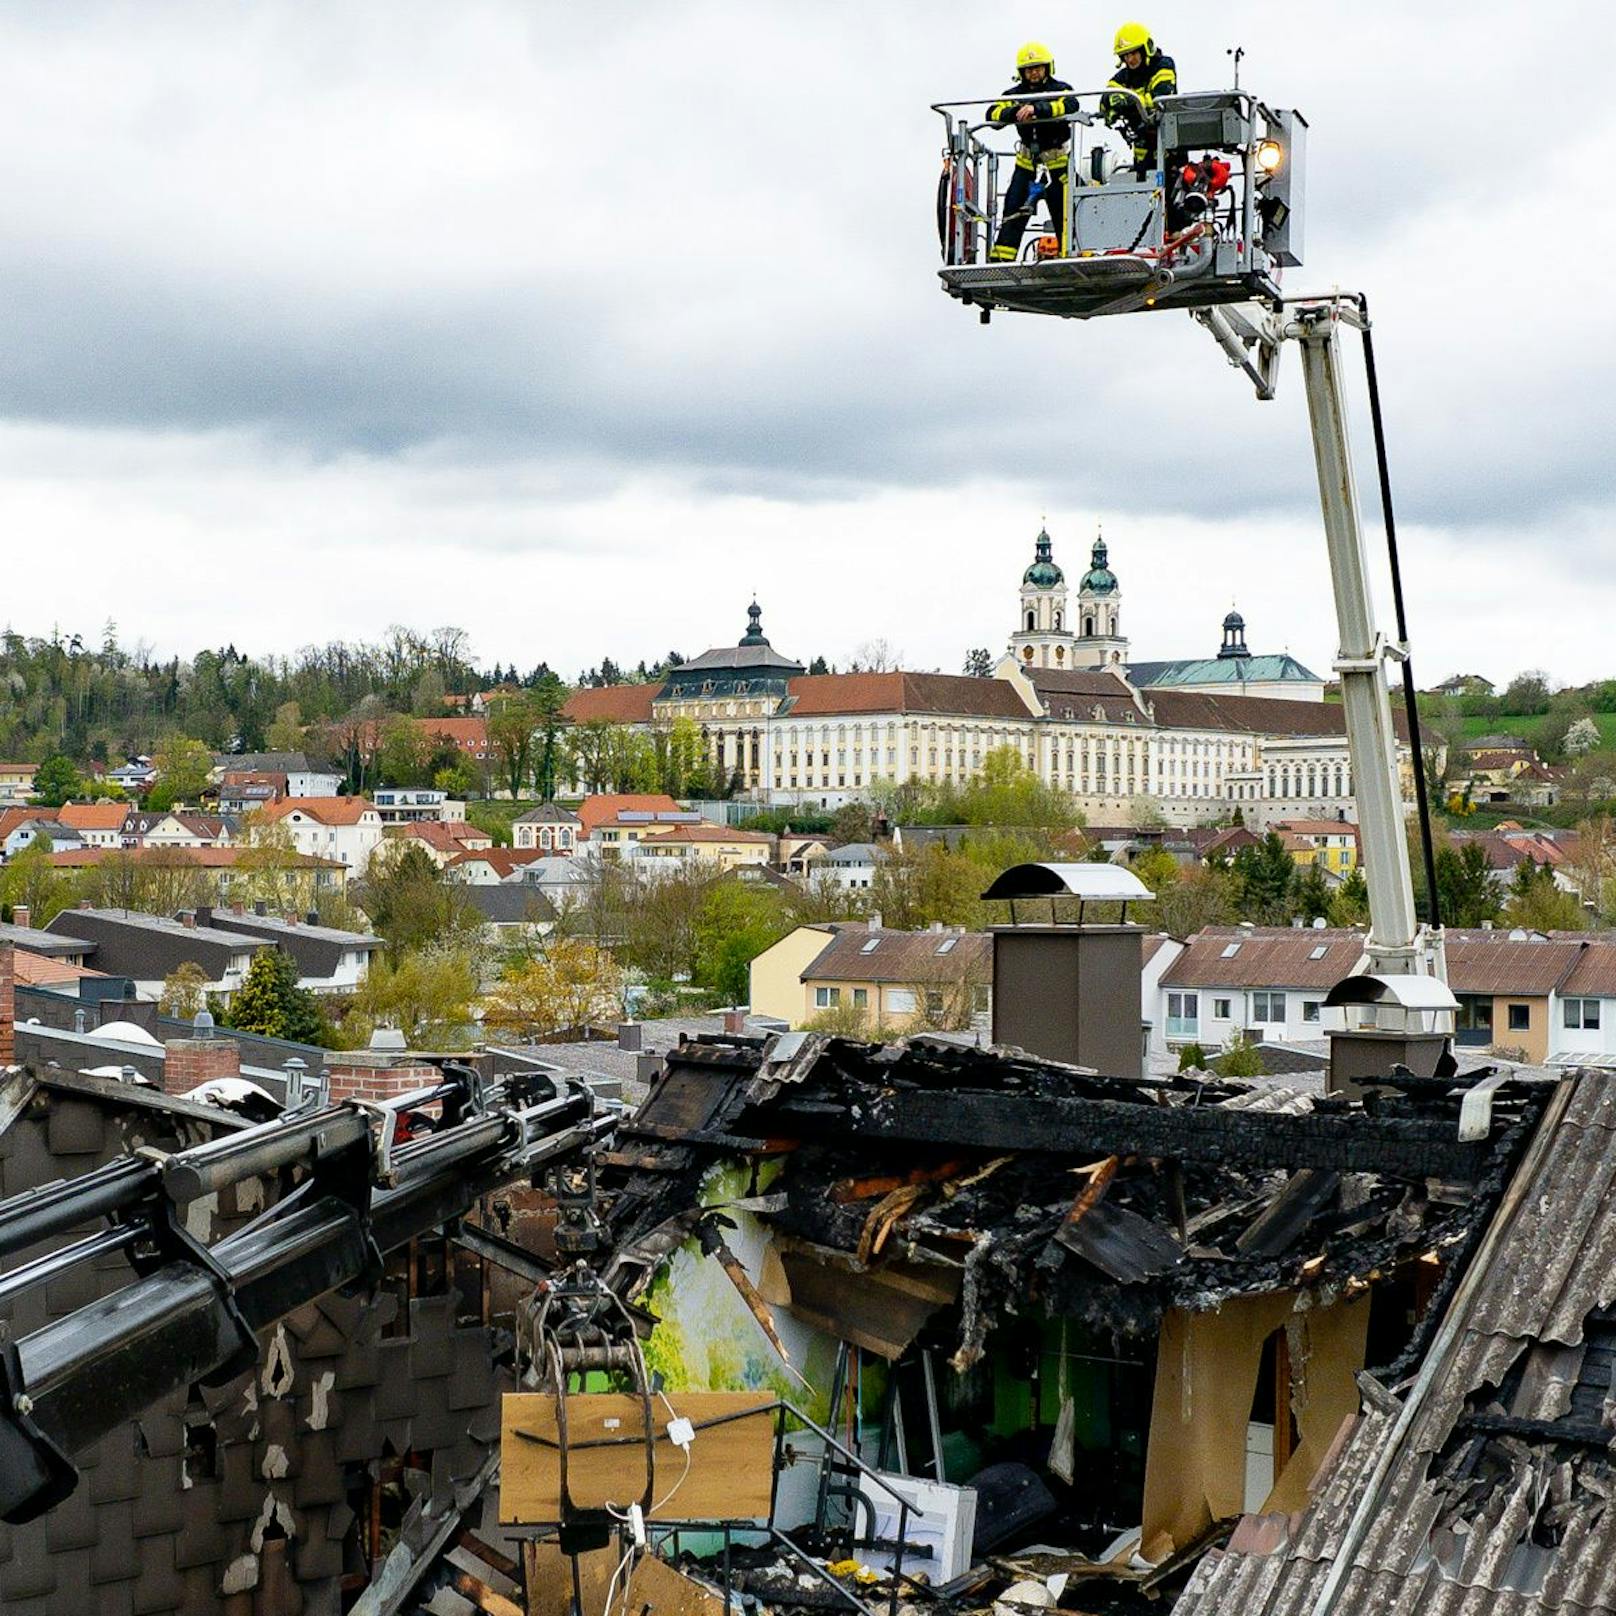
column 1474, row 727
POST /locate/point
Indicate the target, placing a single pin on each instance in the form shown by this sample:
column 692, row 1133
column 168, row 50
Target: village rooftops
column 547, row 813
column 1266, row 957
column 317, row 949
column 147, row 947
column 44, row 942
column 871, row 954
column 327, row 810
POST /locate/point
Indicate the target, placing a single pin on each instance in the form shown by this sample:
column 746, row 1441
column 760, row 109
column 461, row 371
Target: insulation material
column 1206, row 1374
column 1327, row 1351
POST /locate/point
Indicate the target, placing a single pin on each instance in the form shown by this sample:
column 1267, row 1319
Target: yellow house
column 16, row 781
column 897, row 980
column 704, row 845
column 1332, row 844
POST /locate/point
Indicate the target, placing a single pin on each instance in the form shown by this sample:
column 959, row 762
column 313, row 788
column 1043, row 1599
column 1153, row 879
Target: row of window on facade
column 1266, row 1008
column 902, row 1001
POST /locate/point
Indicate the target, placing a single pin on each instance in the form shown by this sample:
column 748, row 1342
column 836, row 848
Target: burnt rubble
column 1047, row 1188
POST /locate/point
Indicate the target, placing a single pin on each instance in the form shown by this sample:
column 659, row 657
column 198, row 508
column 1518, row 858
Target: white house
column 548, row 828
column 347, row 829
column 1160, row 951
column 405, row 805
column 1268, row 983
column 849, row 869
column 60, row 837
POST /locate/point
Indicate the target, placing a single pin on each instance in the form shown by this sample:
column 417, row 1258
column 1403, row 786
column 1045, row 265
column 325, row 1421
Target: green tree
column 1264, row 875
column 428, row 995
column 1349, row 904
column 735, row 923
column 458, row 779
column 1311, row 894
column 1201, row 896
column 403, row 755
column 569, row 983
column 1240, row 1058
column 28, row 877
column 285, row 734
column 184, row 991
column 184, row 766
column 979, row 662
column 1157, row 868
column 511, row 725
column 1464, row 883
column 1537, row 904
column 270, row 1003
column 411, row 905
column 56, row 781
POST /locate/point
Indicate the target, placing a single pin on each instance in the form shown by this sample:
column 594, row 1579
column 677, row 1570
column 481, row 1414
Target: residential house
column 408, row 805
column 99, row 824
column 607, row 807
column 849, row 868
column 247, row 791
column 329, row 960
column 133, row 776
column 441, row 839
column 346, row 829
column 900, row 980
column 1465, row 684
column 1159, row 952
column 1213, row 844
column 303, row 875
column 616, row 838
column 1331, row 844
column 303, row 778
column 659, row 848
column 176, row 828
column 20, row 934
column 1263, row 982
column 489, row 866
column 547, row 828
column 513, row 912
column 1586, row 1014
column 1508, row 846
column 25, row 831
column 799, row 855
column 149, row 948
column 16, row 782
column 468, row 735
column 1509, row 984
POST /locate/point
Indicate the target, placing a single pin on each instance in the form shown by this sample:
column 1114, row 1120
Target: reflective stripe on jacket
column 1045, row 130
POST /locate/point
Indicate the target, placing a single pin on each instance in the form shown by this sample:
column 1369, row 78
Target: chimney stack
column 20, row 914
column 187, row 917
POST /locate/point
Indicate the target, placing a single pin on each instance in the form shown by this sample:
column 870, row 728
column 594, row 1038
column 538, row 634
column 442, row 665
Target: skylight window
column 1230, row 950
column 1320, row 951
column 946, row 945
column 871, row 946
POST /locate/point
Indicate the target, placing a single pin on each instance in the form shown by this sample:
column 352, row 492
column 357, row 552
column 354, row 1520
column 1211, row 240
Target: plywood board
column 731, row 1465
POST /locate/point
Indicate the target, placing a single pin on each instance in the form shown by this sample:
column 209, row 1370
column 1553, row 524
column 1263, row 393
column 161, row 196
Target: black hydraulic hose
column 1410, row 695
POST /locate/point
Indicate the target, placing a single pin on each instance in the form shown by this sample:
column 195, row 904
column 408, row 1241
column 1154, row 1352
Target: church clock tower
column 1043, row 636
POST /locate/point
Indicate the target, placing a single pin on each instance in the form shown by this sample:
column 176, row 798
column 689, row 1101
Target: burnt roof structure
column 1484, row 1484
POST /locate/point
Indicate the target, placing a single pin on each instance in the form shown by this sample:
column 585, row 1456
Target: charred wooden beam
column 1400, row 1147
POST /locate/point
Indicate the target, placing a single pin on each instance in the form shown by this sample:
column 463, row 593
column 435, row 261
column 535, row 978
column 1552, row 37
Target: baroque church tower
column 1100, row 640
column 1043, row 636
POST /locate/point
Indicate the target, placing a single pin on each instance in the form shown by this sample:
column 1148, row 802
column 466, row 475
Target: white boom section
column 1394, row 945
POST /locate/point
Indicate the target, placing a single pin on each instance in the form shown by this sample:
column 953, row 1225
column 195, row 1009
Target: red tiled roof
column 469, row 734
column 813, row 695
column 901, row 956
column 616, row 704
column 41, row 971
column 501, row 860
column 446, row 835
column 1256, row 715
column 602, row 809
column 1592, row 977
column 1319, row 827
column 1266, row 957
column 327, row 810
column 1531, row 969
column 92, row 815
column 11, row 818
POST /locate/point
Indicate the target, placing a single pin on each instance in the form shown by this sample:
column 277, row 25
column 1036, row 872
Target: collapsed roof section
column 1022, row 1185
column 1486, row 1487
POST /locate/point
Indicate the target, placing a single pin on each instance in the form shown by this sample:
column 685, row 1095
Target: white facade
column 1212, row 1016
column 406, row 805
column 547, row 836
column 312, row 783
column 347, row 838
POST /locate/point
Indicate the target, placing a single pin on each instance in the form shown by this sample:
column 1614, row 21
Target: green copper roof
column 1280, row 669
column 1099, row 579
column 1043, row 573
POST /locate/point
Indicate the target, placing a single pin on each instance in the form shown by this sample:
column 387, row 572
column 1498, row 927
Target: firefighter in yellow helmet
column 1045, row 139
column 1144, row 68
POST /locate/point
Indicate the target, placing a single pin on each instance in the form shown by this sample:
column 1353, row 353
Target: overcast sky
column 576, row 326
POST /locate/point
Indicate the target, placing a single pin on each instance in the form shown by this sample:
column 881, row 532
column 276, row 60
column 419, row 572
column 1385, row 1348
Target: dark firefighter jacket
column 1046, row 131
column 1154, row 76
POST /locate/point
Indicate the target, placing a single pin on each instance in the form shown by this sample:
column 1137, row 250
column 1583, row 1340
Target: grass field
column 1474, row 727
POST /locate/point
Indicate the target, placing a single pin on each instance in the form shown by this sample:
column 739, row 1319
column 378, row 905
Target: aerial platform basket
column 1215, row 220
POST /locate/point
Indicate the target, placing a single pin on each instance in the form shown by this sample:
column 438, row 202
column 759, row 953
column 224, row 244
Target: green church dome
column 1043, row 573
column 1099, row 579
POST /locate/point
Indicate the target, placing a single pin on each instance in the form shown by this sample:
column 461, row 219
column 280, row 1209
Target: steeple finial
column 754, row 626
